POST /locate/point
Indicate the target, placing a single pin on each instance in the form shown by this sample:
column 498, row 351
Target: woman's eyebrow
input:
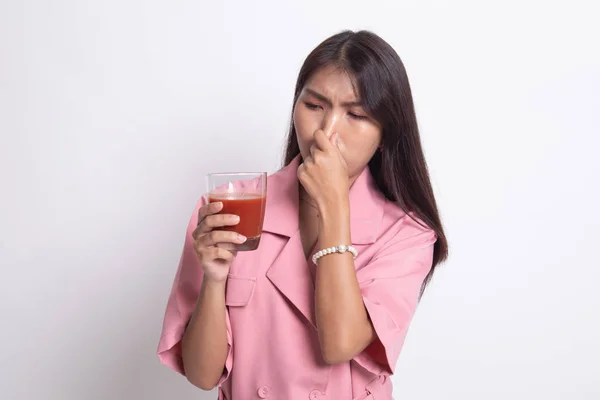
column 326, row 100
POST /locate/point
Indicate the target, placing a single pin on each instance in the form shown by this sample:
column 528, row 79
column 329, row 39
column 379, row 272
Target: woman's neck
column 303, row 196
column 309, row 217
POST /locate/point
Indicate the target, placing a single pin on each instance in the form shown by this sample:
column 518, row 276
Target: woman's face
column 328, row 102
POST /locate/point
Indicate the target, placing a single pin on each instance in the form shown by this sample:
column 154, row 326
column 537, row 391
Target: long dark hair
column 399, row 169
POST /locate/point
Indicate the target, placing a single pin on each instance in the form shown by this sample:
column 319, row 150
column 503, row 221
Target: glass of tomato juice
column 243, row 194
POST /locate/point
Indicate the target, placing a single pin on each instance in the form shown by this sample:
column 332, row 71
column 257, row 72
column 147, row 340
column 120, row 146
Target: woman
column 288, row 321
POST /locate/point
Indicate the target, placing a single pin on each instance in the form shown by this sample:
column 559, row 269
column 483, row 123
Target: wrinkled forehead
column 336, row 83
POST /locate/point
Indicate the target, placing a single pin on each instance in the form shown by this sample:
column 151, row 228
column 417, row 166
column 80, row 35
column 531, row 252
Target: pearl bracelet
column 335, row 249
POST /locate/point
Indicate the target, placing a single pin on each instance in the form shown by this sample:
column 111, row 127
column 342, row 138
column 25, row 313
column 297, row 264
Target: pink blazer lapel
column 289, row 270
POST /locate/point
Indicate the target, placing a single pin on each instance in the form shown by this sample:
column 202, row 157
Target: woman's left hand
column 324, row 174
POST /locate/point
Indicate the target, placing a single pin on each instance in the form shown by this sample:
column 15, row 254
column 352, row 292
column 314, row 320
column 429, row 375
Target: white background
column 111, row 112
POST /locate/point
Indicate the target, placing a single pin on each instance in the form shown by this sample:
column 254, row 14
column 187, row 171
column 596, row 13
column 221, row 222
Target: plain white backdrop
column 111, row 113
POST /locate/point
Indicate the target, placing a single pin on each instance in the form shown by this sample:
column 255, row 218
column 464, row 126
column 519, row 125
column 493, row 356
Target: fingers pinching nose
column 335, row 139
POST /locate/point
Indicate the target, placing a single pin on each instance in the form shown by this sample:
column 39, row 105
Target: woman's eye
column 357, row 116
column 312, row 106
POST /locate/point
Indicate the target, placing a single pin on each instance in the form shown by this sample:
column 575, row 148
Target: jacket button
column 263, row 392
column 314, row 395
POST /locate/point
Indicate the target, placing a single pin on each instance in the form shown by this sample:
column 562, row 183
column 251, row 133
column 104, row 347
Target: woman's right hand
column 216, row 248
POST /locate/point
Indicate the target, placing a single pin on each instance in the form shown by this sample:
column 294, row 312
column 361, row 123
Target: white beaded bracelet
column 335, row 249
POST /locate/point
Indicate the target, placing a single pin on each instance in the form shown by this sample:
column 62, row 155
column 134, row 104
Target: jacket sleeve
column 390, row 286
column 181, row 303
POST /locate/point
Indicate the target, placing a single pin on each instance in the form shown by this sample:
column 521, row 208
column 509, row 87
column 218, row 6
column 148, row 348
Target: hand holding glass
column 242, row 194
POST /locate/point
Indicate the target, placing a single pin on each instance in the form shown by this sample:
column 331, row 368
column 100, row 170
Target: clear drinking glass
column 243, row 194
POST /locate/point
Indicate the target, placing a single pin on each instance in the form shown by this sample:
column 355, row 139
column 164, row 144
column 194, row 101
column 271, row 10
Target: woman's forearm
column 342, row 320
column 204, row 344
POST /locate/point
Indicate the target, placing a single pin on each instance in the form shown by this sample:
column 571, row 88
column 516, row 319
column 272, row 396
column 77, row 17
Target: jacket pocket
column 239, row 290
column 376, row 389
column 365, row 396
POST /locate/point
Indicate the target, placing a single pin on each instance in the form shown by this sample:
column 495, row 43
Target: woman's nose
column 330, row 123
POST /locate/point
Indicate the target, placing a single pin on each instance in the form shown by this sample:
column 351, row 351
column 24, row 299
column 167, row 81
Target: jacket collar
column 281, row 217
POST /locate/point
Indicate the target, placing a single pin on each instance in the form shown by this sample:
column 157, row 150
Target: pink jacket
column 274, row 349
